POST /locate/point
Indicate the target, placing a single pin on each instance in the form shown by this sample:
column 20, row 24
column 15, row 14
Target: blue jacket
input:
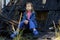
column 32, row 18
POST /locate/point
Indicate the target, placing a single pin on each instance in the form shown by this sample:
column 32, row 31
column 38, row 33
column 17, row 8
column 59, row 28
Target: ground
column 42, row 36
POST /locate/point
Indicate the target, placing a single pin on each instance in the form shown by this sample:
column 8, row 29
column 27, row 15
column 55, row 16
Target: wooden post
column 13, row 27
column 19, row 21
column 55, row 28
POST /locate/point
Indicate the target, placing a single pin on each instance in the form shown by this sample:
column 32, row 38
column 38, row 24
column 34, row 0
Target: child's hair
column 31, row 5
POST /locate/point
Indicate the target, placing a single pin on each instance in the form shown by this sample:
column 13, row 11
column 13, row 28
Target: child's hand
column 26, row 21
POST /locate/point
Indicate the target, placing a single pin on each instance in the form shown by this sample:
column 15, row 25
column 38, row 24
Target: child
column 29, row 19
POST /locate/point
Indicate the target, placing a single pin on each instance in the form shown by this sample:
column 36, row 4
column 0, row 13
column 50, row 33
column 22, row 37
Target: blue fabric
column 32, row 21
column 32, row 18
column 21, row 24
column 14, row 34
column 35, row 32
column 31, row 25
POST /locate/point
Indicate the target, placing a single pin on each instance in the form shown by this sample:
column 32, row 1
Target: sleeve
column 24, row 17
column 33, row 18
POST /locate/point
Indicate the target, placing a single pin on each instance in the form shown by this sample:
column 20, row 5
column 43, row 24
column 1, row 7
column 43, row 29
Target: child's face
column 28, row 7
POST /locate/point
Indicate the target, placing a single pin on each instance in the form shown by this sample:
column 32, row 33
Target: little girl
column 28, row 19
